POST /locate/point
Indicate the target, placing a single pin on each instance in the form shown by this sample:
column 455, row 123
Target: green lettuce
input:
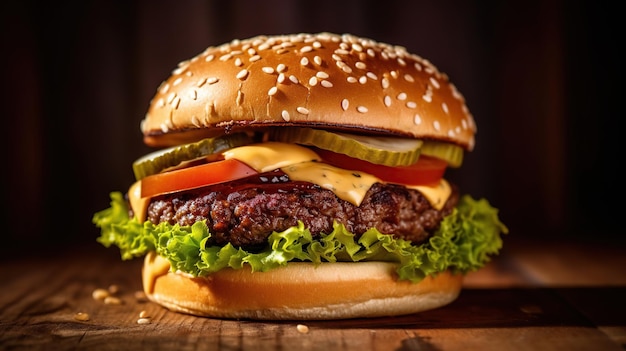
column 464, row 242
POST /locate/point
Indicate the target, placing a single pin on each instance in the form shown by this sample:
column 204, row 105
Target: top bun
column 324, row 80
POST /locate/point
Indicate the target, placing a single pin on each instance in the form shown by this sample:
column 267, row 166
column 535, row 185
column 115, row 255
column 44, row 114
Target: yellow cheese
column 437, row 195
column 137, row 203
column 154, row 267
column 347, row 185
column 269, row 156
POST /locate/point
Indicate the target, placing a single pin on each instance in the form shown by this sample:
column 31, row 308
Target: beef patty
column 245, row 212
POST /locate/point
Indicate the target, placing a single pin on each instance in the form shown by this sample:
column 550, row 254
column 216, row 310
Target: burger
column 301, row 177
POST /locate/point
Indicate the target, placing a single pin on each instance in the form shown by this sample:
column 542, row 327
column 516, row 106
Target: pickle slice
column 157, row 161
column 451, row 153
column 388, row 151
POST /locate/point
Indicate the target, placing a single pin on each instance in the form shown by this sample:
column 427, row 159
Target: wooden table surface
column 560, row 296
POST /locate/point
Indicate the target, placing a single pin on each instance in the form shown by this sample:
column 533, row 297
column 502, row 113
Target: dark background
column 543, row 79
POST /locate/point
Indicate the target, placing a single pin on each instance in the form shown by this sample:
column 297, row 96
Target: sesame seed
column 444, row 107
column 176, row 102
column 345, row 68
column 81, row 316
column 209, row 58
column 360, row 65
column 165, row 88
column 143, row 321
column 434, row 83
column 371, row 76
column 255, row 58
column 418, row 66
column 401, row 96
column 302, row 110
column 394, row 74
column 313, row 81
column 436, row 125
column 242, row 74
column 304, row 61
column 177, row 81
column 285, row 115
column 201, row 82
column 427, row 97
column 112, row 300
column 226, row 57
column 351, row 80
column 306, row 49
column 239, row 98
column 451, row 133
column 268, row 70
column 294, row 79
column 212, row 80
column 281, row 67
column 371, row 52
column 238, row 62
column 302, row 328
column 143, row 314
column 384, row 83
column 342, row 52
column 417, row 119
column 99, row 294
column 357, row 47
column 170, row 98
column 317, row 44
column 409, row 78
column 322, row 75
column 464, row 124
column 345, row 104
column 362, row 79
column 193, row 94
column 141, row 296
column 272, row 91
column 387, row 100
column 318, row 60
column 401, row 61
column 361, row 109
column 281, row 78
column 411, row 104
column 326, row 84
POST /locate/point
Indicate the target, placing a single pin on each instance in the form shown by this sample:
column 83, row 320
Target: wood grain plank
column 505, row 306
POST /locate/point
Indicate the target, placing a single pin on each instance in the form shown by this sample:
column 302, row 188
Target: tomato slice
column 426, row 171
column 194, row 177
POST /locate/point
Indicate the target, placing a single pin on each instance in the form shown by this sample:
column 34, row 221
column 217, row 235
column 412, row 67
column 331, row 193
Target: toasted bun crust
column 299, row 291
column 319, row 80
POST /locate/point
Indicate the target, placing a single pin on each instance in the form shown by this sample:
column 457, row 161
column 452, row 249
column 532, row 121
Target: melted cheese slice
column 301, row 164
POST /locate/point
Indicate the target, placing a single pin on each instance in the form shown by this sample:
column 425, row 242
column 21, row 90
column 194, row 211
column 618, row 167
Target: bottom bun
column 298, row 291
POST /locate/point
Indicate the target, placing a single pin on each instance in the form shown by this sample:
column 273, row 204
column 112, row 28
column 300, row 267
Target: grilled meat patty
column 245, row 212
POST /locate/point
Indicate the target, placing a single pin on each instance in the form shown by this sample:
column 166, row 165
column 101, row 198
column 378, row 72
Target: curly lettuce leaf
column 464, row 242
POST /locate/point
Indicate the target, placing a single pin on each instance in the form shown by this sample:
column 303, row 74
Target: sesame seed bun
column 332, row 81
column 298, row 291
